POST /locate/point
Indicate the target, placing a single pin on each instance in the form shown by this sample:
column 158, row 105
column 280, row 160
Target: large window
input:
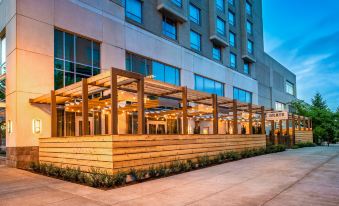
column 220, row 5
column 232, row 39
column 249, row 28
column 165, row 73
column 195, row 40
column 134, row 10
column 194, row 14
column 289, row 88
column 279, row 106
column 250, row 46
column 208, row 85
column 177, row 2
column 169, row 27
column 233, row 60
column 248, row 8
column 221, row 26
column 242, row 95
column 216, row 53
column 231, row 19
column 74, row 58
column 147, row 67
column 2, row 55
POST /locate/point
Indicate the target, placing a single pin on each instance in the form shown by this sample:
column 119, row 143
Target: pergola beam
column 54, row 121
column 250, row 118
column 263, row 127
column 114, row 102
column 235, row 117
column 141, row 108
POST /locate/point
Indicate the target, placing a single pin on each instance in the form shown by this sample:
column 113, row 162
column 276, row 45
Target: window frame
column 192, row 44
column 288, row 83
column 234, row 39
column 192, row 18
column 133, row 16
column 223, row 30
column 247, row 93
column 230, row 13
column 250, row 50
column 248, row 5
column 249, row 31
column 220, row 7
column 248, row 68
column 167, row 21
column 216, row 48
column 233, row 66
column 215, row 82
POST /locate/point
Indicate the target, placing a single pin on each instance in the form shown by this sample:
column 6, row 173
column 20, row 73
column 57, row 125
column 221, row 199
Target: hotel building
column 213, row 46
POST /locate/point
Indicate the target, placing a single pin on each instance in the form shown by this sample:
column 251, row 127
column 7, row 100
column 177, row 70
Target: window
column 195, row 39
column 246, row 68
column 248, row 8
column 74, row 58
column 231, row 18
column 216, row 53
column 220, row 26
column 169, row 28
column 147, row 67
column 3, row 50
column 289, row 88
column 177, row 2
column 220, row 5
column 138, row 64
column 233, row 60
column 242, row 95
column 249, row 28
column 134, row 10
column 250, row 46
column 231, row 2
column 165, row 73
column 232, row 39
column 194, row 14
column 208, row 85
column 2, row 55
column 279, row 106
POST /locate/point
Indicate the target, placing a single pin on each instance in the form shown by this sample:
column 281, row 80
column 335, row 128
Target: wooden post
column 184, row 110
column 84, row 107
column 54, row 120
column 235, row 117
column 299, row 123
column 263, row 126
column 287, row 126
column 304, row 123
column 114, row 102
column 275, row 140
column 250, row 118
column 309, row 124
column 215, row 113
column 141, row 110
column 293, row 129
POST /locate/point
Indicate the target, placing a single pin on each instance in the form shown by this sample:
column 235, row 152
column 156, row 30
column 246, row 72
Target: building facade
column 214, row 46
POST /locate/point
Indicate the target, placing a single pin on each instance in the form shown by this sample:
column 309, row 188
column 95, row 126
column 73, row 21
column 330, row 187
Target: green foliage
column 232, row 155
column 324, row 121
column 203, row 161
column 303, row 144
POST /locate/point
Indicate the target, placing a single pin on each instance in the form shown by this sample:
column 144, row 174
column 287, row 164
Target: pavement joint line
column 299, row 180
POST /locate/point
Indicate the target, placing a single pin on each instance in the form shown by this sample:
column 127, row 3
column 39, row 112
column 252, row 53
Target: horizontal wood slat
column 123, row 152
column 303, row 136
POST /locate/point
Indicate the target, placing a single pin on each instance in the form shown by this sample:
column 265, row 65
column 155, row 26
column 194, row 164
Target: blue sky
column 303, row 35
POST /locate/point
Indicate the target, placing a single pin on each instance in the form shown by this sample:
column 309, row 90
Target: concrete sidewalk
column 308, row 176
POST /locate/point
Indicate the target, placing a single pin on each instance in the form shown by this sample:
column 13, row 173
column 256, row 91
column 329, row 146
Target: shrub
column 203, row 161
column 303, row 144
column 119, row 178
column 161, row 170
column 175, row 166
column 152, row 171
column 232, row 155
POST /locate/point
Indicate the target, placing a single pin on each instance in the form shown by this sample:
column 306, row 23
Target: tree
column 325, row 122
column 319, row 102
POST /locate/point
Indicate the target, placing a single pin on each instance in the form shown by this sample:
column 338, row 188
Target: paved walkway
column 308, row 176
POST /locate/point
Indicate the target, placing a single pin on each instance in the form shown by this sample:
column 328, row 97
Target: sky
column 303, row 35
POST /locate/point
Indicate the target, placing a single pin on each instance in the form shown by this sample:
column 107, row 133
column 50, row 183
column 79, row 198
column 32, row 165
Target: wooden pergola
column 116, row 80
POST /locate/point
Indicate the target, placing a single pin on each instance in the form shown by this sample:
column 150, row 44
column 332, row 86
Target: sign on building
column 276, row 116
